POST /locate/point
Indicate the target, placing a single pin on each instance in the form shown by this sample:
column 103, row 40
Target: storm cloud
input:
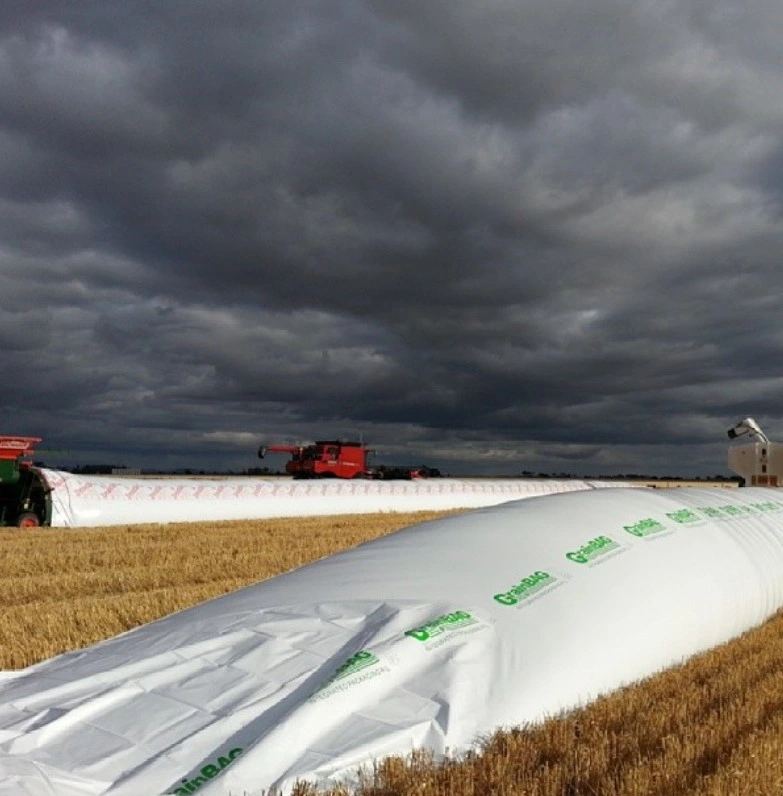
column 492, row 238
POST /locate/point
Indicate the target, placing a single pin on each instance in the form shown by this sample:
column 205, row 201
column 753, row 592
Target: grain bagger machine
column 24, row 495
column 760, row 462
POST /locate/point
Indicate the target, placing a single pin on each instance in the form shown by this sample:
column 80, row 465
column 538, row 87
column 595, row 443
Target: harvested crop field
column 711, row 726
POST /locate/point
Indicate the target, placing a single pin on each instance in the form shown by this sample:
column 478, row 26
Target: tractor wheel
column 28, row 519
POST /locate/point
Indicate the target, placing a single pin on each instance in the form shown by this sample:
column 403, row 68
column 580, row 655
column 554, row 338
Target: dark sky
column 492, row 237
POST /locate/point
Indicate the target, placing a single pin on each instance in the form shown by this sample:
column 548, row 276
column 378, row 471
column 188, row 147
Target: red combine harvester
column 341, row 459
column 24, row 496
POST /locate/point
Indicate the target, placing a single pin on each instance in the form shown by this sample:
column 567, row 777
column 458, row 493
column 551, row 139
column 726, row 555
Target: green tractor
column 24, row 495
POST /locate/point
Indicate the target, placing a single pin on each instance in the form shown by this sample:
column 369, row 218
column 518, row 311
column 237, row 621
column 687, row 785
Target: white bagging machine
column 759, row 462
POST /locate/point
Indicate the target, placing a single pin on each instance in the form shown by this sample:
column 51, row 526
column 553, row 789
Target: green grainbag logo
column 730, row 511
column 714, row 513
column 361, row 660
column 595, row 548
column 207, row 773
column 362, row 666
column 526, row 588
column 645, row 527
column 457, row 620
column 768, row 506
column 683, row 516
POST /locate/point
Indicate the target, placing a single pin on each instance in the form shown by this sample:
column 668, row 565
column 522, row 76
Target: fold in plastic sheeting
column 79, row 500
column 430, row 637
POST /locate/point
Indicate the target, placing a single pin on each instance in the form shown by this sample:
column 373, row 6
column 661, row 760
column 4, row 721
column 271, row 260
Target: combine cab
column 324, row 459
column 24, row 497
column 340, row 459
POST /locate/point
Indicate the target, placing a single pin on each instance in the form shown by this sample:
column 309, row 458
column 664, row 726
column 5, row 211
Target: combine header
column 24, row 497
column 341, row 459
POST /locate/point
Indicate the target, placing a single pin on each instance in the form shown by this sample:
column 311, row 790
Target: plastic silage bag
column 97, row 500
column 430, row 637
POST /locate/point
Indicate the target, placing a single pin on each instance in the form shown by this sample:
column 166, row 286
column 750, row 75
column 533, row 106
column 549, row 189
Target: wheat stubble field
column 711, row 726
